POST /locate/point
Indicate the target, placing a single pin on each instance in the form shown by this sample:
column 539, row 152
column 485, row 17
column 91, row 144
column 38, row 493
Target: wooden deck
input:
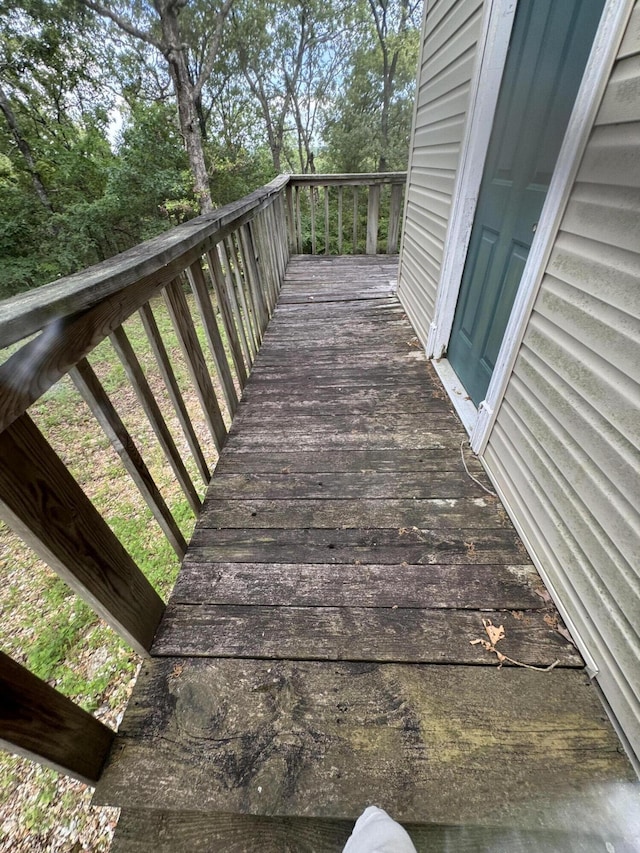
column 318, row 654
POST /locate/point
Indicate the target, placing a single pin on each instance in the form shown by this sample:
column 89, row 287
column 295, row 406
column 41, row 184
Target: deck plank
column 432, row 744
column 316, row 654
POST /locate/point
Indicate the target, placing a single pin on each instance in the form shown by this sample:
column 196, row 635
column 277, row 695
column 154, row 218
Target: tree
column 370, row 123
column 166, row 33
column 393, row 21
column 290, row 53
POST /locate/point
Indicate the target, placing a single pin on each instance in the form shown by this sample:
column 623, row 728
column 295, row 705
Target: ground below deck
column 317, row 652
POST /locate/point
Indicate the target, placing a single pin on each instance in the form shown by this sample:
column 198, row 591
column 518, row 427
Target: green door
column 550, row 44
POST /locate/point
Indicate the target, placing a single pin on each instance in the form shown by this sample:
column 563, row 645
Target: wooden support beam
column 339, row 220
column 39, row 723
column 355, row 221
column 373, row 213
column 252, row 276
column 395, row 211
column 104, row 412
column 326, row 221
column 312, row 202
column 249, row 283
column 227, row 313
column 145, row 395
column 43, row 503
column 290, row 218
column 243, row 292
column 212, row 334
column 298, row 223
column 240, row 315
column 173, row 389
column 193, row 355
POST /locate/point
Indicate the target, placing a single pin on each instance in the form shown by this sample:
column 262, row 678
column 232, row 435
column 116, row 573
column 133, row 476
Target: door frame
column 492, row 53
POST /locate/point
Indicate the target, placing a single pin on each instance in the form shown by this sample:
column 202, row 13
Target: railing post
column 43, row 503
column 39, row 723
column 373, row 212
column 395, row 210
column 291, row 219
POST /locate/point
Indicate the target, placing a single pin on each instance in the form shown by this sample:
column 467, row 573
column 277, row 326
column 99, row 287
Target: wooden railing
column 233, row 262
column 345, row 214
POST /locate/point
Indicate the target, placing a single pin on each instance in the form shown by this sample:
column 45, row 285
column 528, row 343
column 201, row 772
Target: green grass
column 43, row 624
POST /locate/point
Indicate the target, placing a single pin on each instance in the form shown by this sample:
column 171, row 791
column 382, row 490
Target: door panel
column 549, row 47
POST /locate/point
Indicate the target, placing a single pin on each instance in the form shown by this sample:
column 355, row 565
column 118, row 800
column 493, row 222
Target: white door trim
column 497, row 30
column 485, row 85
column 594, row 81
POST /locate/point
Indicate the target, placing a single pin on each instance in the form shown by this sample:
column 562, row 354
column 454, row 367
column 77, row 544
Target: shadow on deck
column 318, row 655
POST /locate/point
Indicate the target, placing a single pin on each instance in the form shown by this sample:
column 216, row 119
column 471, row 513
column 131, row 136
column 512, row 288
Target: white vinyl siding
column 565, row 449
column 450, row 35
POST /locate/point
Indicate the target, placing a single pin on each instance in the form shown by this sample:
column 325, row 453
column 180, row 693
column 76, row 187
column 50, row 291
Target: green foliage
column 291, row 78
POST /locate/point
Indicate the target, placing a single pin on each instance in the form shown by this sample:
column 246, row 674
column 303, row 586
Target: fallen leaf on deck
column 497, row 633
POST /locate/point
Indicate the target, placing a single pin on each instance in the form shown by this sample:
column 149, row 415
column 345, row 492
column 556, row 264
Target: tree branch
column 210, row 58
column 123, row 23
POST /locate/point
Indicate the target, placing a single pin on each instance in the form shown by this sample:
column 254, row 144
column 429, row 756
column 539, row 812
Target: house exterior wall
column 449, row 42
column 565, row 448
column 564, row 452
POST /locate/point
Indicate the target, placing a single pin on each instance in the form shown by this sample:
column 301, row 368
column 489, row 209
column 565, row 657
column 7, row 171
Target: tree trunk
column 25, row 150
column 187, row 115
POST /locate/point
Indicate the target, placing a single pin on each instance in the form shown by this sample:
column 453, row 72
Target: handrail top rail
column 27, row 313
column 350, row 180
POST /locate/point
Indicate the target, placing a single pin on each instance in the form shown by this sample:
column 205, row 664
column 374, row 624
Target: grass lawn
column 44, row 626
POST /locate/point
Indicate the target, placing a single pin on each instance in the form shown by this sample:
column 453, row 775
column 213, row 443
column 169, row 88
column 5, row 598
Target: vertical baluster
column 339, row 220
column 212, row 334
column 226, row 312
column 241, row 315
column 252, row 278
column 299, row 222
column 395, row 208
column 373, row 212
column 290, row 218
column 173, row 389
column 39, row 723
column 145, row 395
column 44, row 504
column 104, row 412
column 355, row 221
column 326, row 220
column 312, row 202
column 244, row 292
column 183, row 324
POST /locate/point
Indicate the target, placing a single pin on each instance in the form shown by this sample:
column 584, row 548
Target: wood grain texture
column 476, row 512
column 373, row 214
column 212, row 334
column 393, row 546
column 103, row 410
column 192, row 351
column 173, row 390
column 42, row 502
column 40, row 723
column 432, row 744
column 355, row 485
column 392, row 634
column 466, row 586
column 147, row 400
column 141, row 831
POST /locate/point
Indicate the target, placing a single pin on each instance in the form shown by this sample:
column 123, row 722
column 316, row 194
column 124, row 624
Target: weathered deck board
column 506, row 587
column 388, row 634
column 431, row 744
column 142, row 831
column 316, row 655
